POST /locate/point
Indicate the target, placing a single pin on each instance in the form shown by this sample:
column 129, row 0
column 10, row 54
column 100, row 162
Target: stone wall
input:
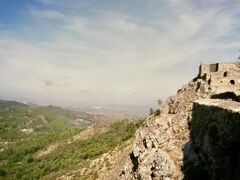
column 226, row 76
column 215, row 134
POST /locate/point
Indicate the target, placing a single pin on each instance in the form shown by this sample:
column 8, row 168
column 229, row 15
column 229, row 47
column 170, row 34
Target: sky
column 110, row 52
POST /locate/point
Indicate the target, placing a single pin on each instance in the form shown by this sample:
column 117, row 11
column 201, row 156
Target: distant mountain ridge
column 12, row 103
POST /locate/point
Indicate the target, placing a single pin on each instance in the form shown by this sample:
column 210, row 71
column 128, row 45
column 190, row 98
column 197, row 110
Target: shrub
column 3, row 172
column 157, row 112
column 151, row 111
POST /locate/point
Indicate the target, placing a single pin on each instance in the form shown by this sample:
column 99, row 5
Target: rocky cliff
column 163, row 148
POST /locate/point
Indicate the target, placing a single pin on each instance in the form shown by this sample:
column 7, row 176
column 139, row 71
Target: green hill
column 47, row 141
column 18, row 121
column 15, row 104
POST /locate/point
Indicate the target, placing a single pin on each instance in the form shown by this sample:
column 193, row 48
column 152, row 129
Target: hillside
column 18, row 121
column 49, row 142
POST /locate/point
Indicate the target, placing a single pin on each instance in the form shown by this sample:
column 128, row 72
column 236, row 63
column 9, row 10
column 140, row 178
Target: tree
column 157, row 112
column 151, row 111
column 3, row 172
column 159, row 102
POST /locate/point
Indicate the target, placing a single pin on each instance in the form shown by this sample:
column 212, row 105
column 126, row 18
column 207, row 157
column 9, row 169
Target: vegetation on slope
column 51, row 125
column 18, row 121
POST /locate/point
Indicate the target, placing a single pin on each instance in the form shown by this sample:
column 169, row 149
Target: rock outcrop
column 163, row 143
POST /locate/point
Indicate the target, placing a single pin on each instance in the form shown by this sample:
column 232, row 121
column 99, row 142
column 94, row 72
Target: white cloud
column 51, row 14
column 112, row 56
column 46, row 1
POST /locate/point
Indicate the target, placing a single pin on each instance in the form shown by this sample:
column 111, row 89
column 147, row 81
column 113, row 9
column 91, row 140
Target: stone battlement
column 221, row 77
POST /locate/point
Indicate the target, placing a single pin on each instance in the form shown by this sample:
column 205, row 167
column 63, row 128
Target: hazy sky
column 72, row 52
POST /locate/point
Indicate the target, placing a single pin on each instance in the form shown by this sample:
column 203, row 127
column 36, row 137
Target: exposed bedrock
column 163, row 147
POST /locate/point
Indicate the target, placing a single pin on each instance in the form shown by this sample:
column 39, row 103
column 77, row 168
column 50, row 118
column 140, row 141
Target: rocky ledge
column 187, row 139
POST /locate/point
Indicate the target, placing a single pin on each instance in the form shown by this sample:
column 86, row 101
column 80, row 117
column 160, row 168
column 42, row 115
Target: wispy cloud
column 51, row 14
column 114, row 52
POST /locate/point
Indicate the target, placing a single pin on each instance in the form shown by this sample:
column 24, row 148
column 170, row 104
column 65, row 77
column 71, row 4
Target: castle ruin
column 221, row 77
